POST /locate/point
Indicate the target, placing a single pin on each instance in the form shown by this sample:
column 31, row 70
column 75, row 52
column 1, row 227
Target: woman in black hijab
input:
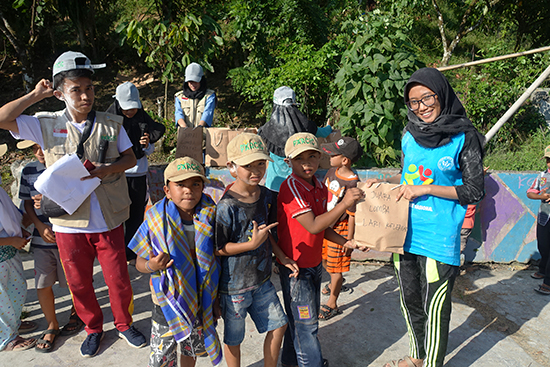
column 442, row 173
column 286, row 120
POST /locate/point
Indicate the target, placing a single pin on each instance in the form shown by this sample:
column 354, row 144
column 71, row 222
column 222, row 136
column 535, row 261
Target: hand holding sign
column 380, row 220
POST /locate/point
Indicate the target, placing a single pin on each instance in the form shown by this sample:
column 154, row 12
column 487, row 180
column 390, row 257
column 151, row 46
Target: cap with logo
column 183, row 168
column 299, row 143
column 71, row 60
column 246, row 148
column 284, row 96
column 127, row 96
column 193, row 73
column 24, row 144
column 348, row 147
column 546, row 152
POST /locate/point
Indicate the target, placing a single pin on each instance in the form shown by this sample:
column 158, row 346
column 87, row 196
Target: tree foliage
column 370, row 82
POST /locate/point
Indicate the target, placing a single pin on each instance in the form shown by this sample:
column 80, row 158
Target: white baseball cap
column 284, row 96
column 72, row 60
column 193, row 73
column 127, row 96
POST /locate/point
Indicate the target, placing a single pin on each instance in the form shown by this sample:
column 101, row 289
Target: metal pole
column 517, row 105
column 504, row 57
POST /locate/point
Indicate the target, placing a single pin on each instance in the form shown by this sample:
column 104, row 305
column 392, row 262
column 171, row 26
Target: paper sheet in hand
column 380, row 221
column 61, row 183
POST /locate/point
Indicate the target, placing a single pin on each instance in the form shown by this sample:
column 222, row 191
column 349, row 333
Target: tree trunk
column 21, row 51
column 166, row 98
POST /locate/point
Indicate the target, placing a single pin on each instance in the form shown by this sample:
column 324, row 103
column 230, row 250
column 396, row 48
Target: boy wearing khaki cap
column 303, row 223
column 175, row 244
column 244, row 217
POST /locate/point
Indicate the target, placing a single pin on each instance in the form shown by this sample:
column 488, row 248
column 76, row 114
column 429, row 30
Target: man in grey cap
column 195, row 103
column 94, row 229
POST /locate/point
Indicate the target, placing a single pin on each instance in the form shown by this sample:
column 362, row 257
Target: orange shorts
column 334, row 254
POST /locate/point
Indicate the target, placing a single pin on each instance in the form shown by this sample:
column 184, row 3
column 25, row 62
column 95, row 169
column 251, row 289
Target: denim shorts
column 262, row 304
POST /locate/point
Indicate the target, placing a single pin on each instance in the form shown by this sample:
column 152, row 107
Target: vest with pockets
column 61, row 138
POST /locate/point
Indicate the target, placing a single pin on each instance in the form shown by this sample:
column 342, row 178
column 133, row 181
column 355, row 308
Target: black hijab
column 451, row 121
column 197, row 94
column 285, row 121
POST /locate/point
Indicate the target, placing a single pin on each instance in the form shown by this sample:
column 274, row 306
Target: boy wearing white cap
column 245, row 215
column 195, row 103
column 94, row 229
column 143, row 132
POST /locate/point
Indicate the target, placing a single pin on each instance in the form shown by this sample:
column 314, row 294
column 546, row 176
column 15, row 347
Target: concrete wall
column 505, row 219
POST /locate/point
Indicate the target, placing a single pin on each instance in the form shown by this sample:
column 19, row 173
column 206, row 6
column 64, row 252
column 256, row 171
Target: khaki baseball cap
column 24, row 144
column 546, row 152
column 246, row 148
column 183, row 168
column 3, row 149
column 299, row 143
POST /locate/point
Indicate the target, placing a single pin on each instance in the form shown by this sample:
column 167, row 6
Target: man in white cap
column 94, row 229
column 195, row 103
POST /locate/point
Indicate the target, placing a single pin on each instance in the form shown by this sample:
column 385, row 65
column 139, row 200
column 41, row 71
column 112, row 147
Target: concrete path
column 497, row 320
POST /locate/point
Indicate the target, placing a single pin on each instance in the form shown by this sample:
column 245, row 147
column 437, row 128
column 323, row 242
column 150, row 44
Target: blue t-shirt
column 434, row 222
column 248, row 270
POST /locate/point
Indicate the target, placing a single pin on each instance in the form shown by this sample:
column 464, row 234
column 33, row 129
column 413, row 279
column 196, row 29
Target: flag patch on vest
column 108, row 138
column 60, row 133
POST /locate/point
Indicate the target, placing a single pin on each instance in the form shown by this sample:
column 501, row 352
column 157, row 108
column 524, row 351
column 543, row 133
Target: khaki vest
column 192, row 108
column 61, row 138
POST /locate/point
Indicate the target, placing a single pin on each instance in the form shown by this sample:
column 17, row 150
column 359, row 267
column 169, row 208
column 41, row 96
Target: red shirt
column 296, row 197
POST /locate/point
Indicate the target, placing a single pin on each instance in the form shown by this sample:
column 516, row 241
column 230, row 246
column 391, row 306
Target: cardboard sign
column 190, row 143
column 217, row 139
column 380, row 221
column 325, row 158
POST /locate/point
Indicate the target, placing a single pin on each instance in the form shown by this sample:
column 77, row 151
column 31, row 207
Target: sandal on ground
column 543, row 289
column 48, row 345
column 19, row 343
column 27, row 326
column 406, row 359
column 326, row 289
column 327, row 313
column 73, row 326
column 537, row 275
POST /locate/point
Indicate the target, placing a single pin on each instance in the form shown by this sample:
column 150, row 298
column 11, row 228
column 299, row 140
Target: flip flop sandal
column 327, row 313
column 20, row 342
column 406, row 359
column 48, row 344
column 73, row 327
column 543, row 289
column 537, row 275
column 27, row 326
column 326, row 289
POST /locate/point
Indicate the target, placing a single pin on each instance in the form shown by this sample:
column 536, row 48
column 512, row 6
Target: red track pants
column 78, row 252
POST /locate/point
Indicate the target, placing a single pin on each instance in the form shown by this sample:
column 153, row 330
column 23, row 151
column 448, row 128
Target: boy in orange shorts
column 336, row 258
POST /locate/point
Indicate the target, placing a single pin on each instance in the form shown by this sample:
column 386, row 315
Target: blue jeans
column 302, row 298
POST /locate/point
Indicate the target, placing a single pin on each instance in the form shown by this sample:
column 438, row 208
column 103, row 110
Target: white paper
column 61, row 183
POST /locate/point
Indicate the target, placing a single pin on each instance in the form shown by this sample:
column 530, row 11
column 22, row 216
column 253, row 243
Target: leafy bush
column 374, row 70
column 308, row 71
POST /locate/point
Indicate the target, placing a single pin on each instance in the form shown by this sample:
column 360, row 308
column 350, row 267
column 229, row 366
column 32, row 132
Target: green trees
column 171, row 35
column 372, row 75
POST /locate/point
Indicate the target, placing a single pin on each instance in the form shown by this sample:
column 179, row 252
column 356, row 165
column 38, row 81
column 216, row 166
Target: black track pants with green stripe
column 425, row 287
